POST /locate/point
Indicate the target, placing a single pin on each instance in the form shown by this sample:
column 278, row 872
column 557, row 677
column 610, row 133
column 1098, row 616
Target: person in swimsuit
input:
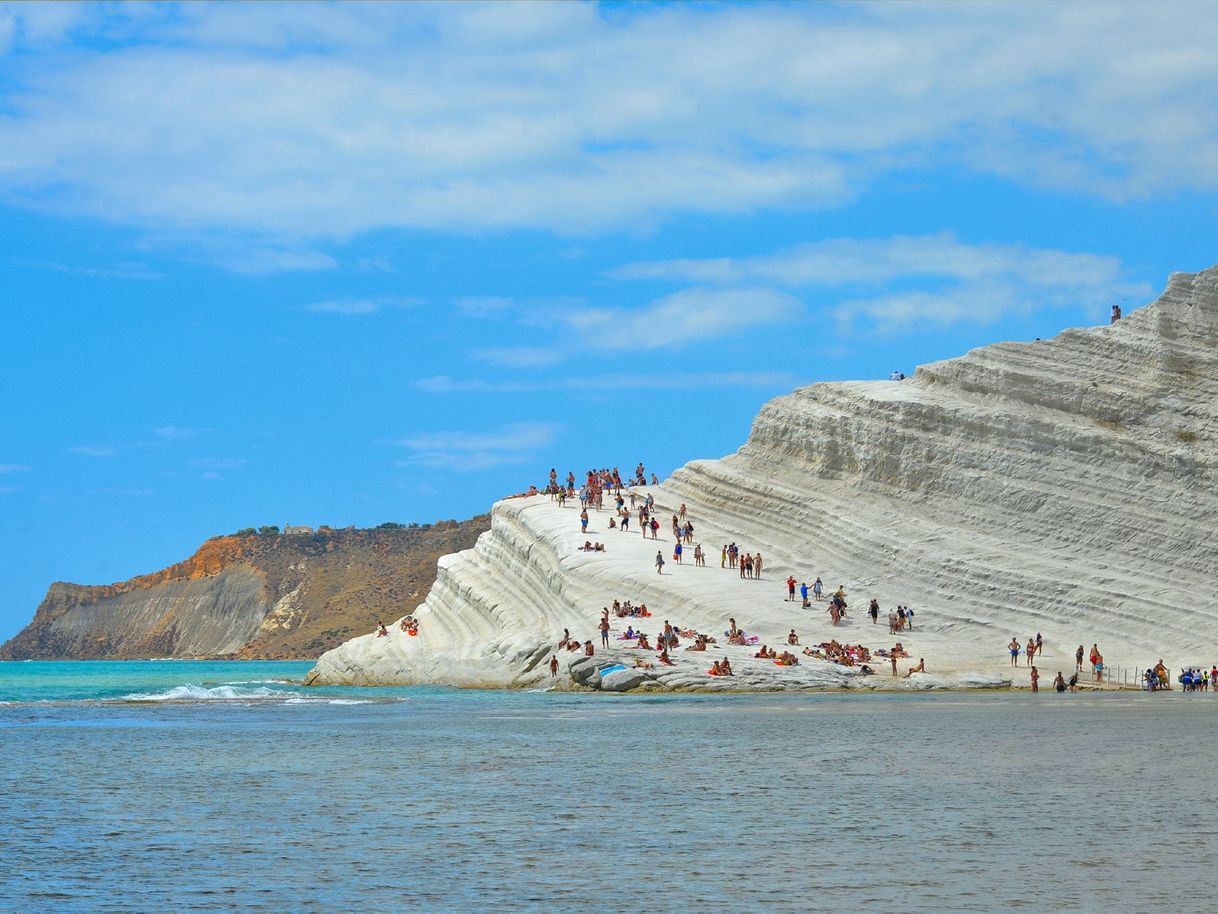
column 920, row 668
column 1031, row 651
column 1035, row 679
column 1059, row 683
column 791, row 589
column 1013, row 647
column 818, row 588
column 1078, row 659
column 553, row 666
column 604, row 626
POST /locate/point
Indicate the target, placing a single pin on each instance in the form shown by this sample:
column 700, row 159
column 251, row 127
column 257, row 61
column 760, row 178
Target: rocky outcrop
column 1064, row 486
column 247, row 596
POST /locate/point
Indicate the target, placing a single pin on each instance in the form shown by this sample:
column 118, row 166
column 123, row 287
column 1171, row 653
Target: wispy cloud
column 125, row 270
column 893, row 282
column 218, row 463
column 179, row 433
column 484, row 305
column 517, row 356
column 599, row 384
column 332, row 125
column 92, row 450
column 6, row 468
column 262, row 260
column 683, row 317
column 519, row 442
column 352, row 307
column 123, row 492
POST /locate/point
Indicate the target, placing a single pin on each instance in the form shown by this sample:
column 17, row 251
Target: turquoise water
column 122, row 792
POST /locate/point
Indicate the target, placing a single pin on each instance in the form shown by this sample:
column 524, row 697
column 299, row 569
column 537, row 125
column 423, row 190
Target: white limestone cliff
column 1063, row 486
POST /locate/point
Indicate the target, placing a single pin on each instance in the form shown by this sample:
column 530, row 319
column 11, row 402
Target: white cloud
column 257, row 261
column 297, row 122
column 683, row 317
column 359, row 306
column 517, row 356
column 519, row 442
column 126, row 492
column 893, row 282
column 597, row 384
column 90, row 450
column 178, row 433
column 218, row 463
column 484, row 305
column 125, row 270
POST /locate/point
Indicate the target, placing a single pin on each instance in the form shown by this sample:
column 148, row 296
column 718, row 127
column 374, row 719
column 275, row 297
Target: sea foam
column 192, row 692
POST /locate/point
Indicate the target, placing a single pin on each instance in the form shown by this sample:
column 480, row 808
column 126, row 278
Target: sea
column 228, row 786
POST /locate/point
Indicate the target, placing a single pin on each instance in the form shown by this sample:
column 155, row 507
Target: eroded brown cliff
column 248, row 596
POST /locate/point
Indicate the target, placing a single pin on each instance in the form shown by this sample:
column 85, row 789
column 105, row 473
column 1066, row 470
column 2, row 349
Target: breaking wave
column 192, row 692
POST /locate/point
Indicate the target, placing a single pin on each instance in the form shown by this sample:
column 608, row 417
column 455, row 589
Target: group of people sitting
column 590, row 546
column 720, row 668
column 409, row 624
column 786, row 658
column 843, row 654
column 567, row 643
column 736, row 635
column 626, row 610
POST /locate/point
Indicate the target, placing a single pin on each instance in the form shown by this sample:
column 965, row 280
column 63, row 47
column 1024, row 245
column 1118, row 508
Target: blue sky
column 353, row 263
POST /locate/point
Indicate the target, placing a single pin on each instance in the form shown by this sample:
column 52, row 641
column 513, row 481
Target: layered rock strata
column 1063, row 486
column 247, row 596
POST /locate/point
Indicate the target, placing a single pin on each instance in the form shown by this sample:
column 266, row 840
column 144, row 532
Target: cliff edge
column 247, row 596
column 1063, row 486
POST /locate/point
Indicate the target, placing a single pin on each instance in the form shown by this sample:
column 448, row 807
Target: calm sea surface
column 182, row 786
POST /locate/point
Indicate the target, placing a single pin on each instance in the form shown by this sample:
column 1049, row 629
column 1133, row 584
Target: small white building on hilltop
column 289, row 530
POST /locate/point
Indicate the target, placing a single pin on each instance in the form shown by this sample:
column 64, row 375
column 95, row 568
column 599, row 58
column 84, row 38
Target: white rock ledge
column 1064, row 486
